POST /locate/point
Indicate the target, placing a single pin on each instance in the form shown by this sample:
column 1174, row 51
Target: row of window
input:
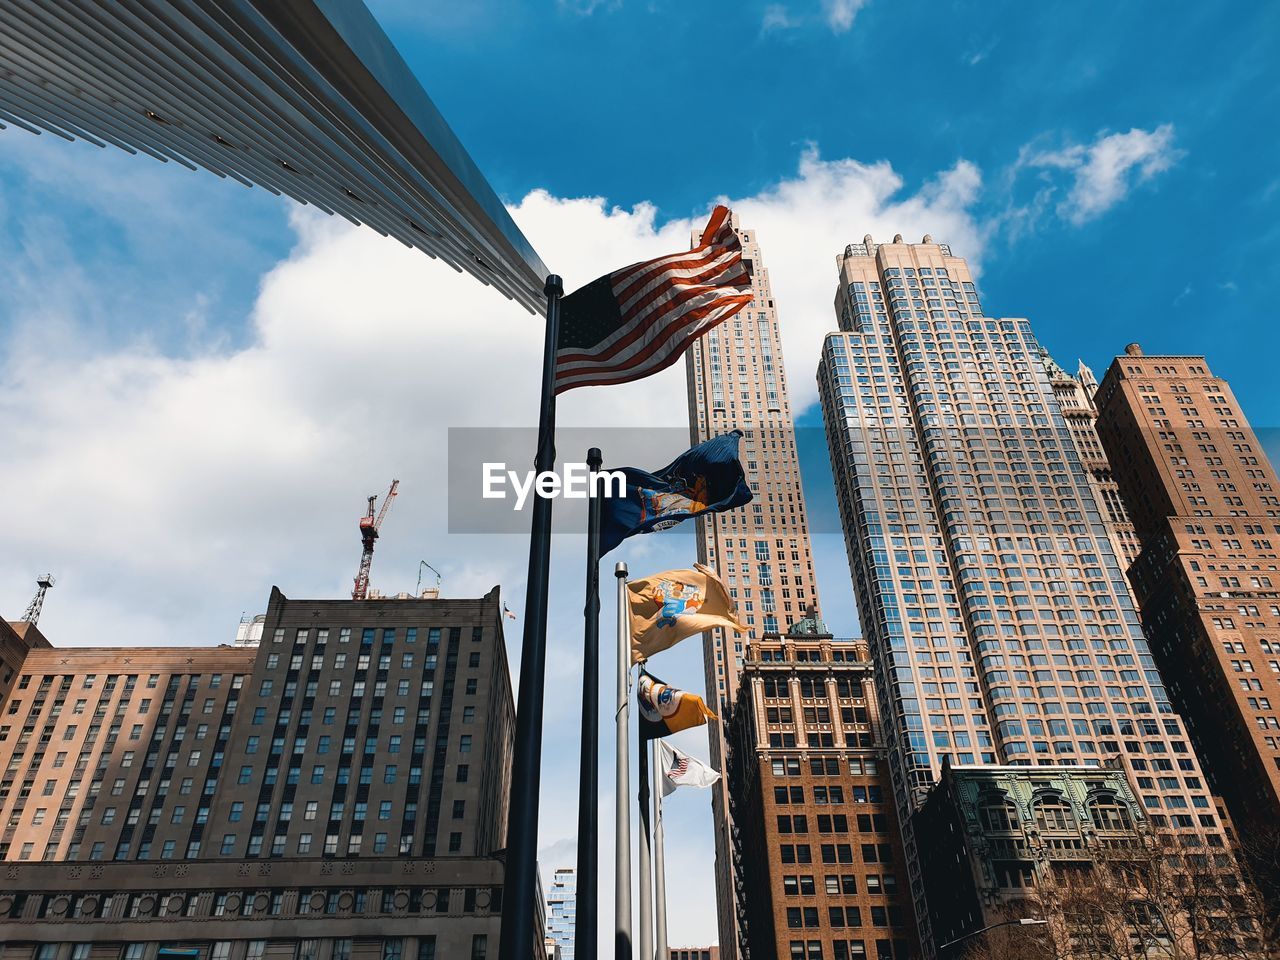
column 840, row 917
column 829, row 794
column 833, row 823
column 836, row 885
column 849, row 950
column 392, row 948
column 836, row 853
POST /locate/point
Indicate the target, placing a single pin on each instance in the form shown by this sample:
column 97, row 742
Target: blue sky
column 675, row 103
column 199, row 384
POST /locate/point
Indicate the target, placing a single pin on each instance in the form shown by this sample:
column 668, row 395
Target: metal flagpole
column 659, row 864
column 646, row 880
column 584, row 930
column 622, row 786
column 520, row 881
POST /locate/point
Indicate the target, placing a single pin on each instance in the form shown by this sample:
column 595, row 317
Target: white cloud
column 836, row 15
column 1104, row 171
column 776, row 17
column 168, row 491
column 804, row 222
column 585, row 8
column 840, row 13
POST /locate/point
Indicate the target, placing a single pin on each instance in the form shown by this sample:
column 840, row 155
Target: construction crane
column 369, row 527
column 32, row 616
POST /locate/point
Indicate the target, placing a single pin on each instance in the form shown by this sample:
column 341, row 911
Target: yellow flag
column 665, row 709
column 667, row 607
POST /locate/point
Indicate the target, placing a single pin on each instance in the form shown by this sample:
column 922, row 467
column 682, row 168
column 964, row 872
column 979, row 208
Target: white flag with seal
column 681, row 770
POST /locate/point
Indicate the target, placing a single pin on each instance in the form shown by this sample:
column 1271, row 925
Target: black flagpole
column 584, row 931
column 521, row 882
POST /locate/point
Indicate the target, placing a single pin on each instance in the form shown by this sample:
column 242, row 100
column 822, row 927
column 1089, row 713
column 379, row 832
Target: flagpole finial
column 554, row 285
column 620, row 570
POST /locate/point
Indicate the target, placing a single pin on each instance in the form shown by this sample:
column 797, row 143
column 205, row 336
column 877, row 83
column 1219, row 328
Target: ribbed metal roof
column 305, row 98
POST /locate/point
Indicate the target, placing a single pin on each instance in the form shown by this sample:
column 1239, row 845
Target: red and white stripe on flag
column 680, row 770
column 662, row 305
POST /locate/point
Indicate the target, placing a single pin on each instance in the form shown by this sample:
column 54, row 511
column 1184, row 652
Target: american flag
column 682, row 771
column 638, row 320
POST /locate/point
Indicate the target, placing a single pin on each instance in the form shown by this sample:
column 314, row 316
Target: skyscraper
column 1075, row 396
column 736, row 381
column 562, row 902
column 990, row 595
column 1206, row 504
column 335, row 792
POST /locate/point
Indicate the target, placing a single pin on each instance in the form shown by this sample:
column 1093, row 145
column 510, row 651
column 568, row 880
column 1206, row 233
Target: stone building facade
column 736, row 380
column 1075, row 398
column 1001, row 838
column 815, row 838
column 335, row 792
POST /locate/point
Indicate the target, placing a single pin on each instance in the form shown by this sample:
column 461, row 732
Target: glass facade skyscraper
column 998, row 617
column 562, row 911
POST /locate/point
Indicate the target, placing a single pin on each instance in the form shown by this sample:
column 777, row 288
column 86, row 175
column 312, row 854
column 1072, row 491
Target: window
column 1109, row 813
column 1053, row 815
column 479, row 947
column 998, row 813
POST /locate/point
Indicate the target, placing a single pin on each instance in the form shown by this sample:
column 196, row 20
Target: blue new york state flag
column 705, row 479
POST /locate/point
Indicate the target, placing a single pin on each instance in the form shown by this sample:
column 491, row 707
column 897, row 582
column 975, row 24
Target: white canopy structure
column 305, row 98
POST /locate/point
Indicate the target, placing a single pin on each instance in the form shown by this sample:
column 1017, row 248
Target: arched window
column 1110, row 813
column 998, row 813
column 1053, row 814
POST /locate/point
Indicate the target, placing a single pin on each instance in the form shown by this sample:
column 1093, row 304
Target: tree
column 1160, row 896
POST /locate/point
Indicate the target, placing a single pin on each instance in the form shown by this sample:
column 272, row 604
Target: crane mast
column 32, row 616
column 369, row 527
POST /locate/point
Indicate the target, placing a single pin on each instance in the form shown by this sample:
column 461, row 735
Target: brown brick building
column 694, row 953
column 335, row 792
column 816, row 841
column 1205, row 502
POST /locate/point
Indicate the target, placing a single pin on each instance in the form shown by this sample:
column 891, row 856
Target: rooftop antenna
column 32, row 616
column 421, row 564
